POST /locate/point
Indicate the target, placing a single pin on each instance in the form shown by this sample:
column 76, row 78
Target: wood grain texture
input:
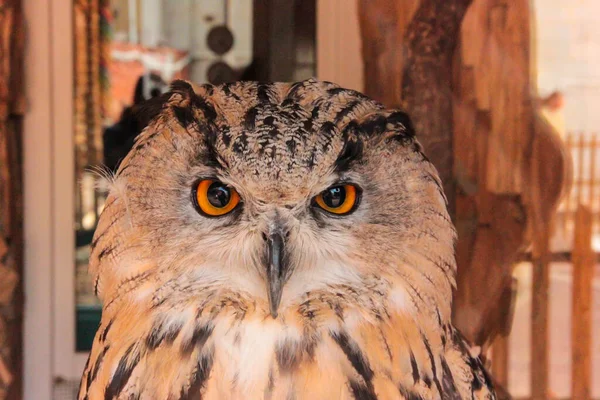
column 490, row 214
column 383, row 25
column 408, row 50
column 511, row 167
column 432, row 37
column 11, row 215
column 465, row 67
column 581, row 323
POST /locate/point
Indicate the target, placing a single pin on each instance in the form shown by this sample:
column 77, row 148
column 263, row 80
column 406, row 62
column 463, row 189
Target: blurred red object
column 130, row 61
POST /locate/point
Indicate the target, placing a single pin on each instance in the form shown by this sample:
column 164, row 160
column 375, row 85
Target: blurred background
column 503, row 93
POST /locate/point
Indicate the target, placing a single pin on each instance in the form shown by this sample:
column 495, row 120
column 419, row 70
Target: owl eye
column 339, row 199
column 214, row 199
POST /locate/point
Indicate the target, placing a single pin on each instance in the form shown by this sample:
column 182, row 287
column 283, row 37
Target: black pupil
column 334, row 197
column 218, row 195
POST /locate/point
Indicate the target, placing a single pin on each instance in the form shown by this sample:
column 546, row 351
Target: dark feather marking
column 208, row 88
column 346, row 110
column 433, row 367
column 427, row 380
column 207, row 109
column 96, row 283
column 250, row 118
column 162, row 333
column 180, row 86
column 235, row 379
column 349, row 92
column 401, row 118
column 199, row 377
column 292, row 94
column 184, row 115
column 355, row 356
column 291, row 145
column 439, row 318
column 307, row 310
column 408, row 394
column 414, row 367
column 106, row 330
column 360, row 391
column 448, row 384
column 310, row 344
column 149, row 110
column 429, row 178
column 328, row 130
column 113, row 200
column 288, row 355
column 187, row 91
column 226, row 135
column 287, row 103
column 270, row 384
column 136, row 280
column 85, row 376
column 314, row 114
column 142, row 144
column 262, row 92
column 269, row 120
column 351, row 152
column 99, row 236
column 106, row 251
column 94, row 371
column 374, row 125
column 227, row 90
column 210, row 157
column 311, row 161
column 121, row 172
column 199, row 337
column 122, row 374
column 476, row 365
column 237, row 339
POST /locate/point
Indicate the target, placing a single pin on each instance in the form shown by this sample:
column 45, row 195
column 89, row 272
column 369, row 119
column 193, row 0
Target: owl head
column 273, row 191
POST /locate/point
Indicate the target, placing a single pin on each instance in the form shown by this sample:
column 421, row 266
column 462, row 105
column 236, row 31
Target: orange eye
column 339, row 200
column 214, row 198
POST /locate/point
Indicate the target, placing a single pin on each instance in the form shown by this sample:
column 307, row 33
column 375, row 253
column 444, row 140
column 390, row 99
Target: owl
column 276, row 241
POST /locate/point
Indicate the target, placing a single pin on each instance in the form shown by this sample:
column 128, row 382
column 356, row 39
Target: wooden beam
column 426, row 81
column 12, row 108
column 273, row 41
column 500, row 360
column 408, row 69
column 581, row 319
column 539, row 323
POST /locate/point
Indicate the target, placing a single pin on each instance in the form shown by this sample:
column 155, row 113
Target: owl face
column 272, row 192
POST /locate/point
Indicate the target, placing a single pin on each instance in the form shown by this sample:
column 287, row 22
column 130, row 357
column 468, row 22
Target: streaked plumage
column 189, row 309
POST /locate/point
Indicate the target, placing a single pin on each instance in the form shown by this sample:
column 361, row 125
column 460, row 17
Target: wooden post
column 274, row 40
column 539, row 318
column 548, row 177
column 426, row 82
column 11, row 201
column 500, row 360
column 592, row 168
column 583, row 274
column 462, row 70
column 580, row 182
column 568, row 203
column 404, row 67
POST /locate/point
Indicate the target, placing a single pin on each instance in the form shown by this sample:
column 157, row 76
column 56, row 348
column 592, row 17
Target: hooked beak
column 277, row 269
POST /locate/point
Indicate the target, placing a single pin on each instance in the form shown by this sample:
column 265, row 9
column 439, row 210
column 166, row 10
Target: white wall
column 568, row 58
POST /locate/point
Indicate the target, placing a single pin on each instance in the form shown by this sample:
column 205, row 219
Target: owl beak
column 276, row 269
